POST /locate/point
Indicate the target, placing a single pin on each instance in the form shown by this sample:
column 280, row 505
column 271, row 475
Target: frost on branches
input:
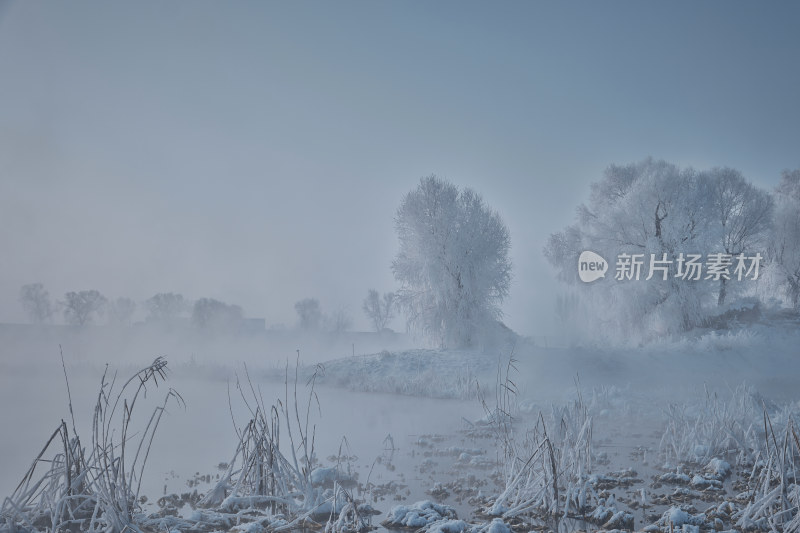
column 656, row 209
column 453, row 263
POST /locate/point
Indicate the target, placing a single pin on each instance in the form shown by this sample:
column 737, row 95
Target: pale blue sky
column 256, row 152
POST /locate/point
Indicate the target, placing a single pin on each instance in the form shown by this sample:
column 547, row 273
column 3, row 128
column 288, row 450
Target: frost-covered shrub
column 714, row 427
column 556, row 451
column 273, row 468
column 94, row 488
column 676, row 517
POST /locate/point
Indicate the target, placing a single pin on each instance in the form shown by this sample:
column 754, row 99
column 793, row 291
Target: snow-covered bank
column 764, row 356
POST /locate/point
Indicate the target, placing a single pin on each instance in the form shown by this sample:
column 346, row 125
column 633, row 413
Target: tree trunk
column 794, row 291
column 722, row 292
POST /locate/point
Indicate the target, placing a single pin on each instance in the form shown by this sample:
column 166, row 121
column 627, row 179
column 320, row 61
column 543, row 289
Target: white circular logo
column 591, row 266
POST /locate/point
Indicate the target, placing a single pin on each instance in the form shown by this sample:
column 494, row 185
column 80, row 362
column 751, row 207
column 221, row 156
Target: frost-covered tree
column 379, row 310
column 81, row 306
column 453, row 264
column 651, row 207
column 309, row 313
column 36, row 301
column 213, row 315
column 120, row 311
column 741, row 216
column 784, row 249
column 668, row 216
column 166, row 307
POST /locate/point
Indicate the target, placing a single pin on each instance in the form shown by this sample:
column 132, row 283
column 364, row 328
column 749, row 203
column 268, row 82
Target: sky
column 256, row 152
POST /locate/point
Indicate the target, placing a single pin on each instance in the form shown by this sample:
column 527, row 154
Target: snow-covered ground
column 675, row 433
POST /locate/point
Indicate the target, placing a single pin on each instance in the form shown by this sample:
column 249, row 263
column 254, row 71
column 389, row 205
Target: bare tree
column 742, row 214
column 379, row 310
column 120, row 311
column 213, row 315
column 785, row 243
column 340, row 321
column 166, row 307
column 80, row 307
column 36, row 301
column 309, row 313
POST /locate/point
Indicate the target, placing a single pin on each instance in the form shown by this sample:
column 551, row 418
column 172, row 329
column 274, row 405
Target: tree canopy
column 453, row 264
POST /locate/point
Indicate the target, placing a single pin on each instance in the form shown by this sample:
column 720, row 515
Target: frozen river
column 195, row 439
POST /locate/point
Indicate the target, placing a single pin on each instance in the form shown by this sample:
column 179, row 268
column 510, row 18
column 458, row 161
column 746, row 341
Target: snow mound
column 718, row 469
column 703, row 483
column 495, row 526
column 448, row 526
column 459, row 526
column 675, row 478
column 419, row 514
column 431, row 517
column 326, row 476
column 677, row 517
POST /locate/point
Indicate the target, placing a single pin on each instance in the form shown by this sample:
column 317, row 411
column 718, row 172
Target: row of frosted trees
column 654, row 207
column 80, row 308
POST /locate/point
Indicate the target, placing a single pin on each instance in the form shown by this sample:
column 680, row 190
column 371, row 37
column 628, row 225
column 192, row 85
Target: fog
column 212, row 151
column 246, row 157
